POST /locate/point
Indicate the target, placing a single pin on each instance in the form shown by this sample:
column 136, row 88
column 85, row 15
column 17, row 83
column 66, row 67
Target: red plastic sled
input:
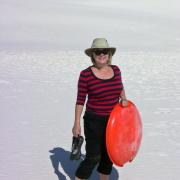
column 123, row 133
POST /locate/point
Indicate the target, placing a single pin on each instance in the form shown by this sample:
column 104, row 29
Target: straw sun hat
column 99, row 43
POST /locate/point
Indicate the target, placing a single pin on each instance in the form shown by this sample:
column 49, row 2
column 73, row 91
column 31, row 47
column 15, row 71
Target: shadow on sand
column 60, row 157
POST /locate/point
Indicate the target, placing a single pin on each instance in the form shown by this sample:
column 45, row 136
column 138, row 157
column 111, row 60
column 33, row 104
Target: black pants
column 96, row 152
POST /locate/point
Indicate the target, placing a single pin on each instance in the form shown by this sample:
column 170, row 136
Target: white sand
column 37, row 97
column 38, row 88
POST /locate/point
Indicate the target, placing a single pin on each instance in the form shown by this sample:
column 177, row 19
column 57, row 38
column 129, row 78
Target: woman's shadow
column 60, row 157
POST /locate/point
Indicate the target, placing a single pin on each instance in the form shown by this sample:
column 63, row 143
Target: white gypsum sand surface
column 37, row 99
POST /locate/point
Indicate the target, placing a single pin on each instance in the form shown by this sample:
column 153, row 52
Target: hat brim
column 89, row 51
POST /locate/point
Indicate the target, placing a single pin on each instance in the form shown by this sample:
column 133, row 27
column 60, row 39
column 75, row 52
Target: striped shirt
column 103, row 94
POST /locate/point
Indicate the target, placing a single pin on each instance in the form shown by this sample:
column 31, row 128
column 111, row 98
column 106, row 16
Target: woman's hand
column 124, row 102
column 76, row 130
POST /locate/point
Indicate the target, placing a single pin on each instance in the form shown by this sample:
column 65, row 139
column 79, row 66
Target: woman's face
column 101, row 56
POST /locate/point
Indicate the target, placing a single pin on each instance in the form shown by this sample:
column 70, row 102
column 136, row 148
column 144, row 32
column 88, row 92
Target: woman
column 102, row 83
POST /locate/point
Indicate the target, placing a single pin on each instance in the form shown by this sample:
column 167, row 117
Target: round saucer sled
column 123, row 133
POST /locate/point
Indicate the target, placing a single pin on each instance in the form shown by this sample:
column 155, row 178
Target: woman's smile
column 102, row 58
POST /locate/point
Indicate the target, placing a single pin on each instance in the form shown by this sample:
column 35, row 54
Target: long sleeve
column 82, row 89
column 120, row 76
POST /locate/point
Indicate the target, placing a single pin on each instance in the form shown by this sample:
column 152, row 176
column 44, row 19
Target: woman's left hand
column 124, row 102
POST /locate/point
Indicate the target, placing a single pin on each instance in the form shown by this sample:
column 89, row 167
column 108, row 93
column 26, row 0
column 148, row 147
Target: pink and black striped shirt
column 103, row 94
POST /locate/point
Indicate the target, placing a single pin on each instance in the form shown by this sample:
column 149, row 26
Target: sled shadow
column 64, row 167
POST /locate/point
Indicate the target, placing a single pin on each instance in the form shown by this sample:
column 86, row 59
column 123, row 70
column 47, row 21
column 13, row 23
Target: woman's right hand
column 76, row 130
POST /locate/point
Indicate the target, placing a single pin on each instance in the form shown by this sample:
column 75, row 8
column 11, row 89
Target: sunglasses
column 101, row 51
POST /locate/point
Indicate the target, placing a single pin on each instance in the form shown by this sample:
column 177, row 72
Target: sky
column 131, row 25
